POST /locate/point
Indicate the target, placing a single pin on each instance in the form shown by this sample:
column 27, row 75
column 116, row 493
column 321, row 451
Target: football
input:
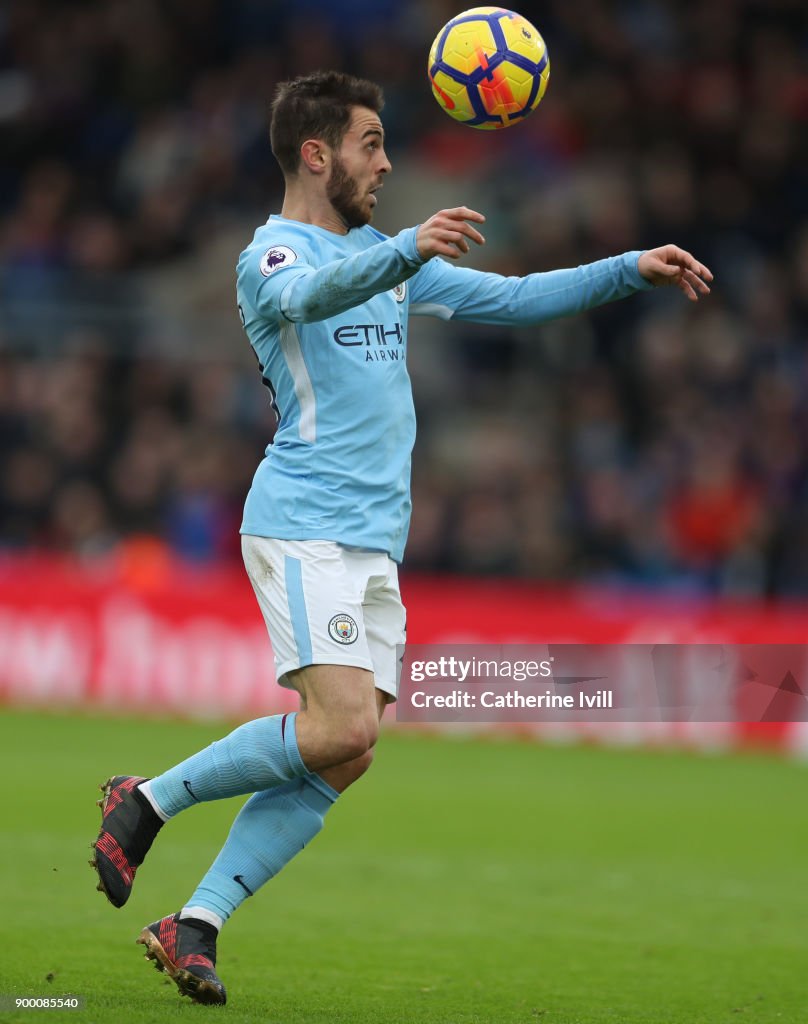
column 488, row 68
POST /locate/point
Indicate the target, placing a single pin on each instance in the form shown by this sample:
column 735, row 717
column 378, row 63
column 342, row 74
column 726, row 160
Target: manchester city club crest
column 343, row 629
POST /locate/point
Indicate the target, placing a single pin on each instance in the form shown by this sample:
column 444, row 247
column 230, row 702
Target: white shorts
column 325, row 604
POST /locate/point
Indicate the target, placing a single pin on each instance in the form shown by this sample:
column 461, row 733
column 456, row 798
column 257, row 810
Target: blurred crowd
column 650, row 442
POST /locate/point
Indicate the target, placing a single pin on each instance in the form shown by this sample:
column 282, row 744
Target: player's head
column 326, row 129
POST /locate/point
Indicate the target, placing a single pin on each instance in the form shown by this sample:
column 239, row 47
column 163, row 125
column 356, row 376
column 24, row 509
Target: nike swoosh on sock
column 243, row 884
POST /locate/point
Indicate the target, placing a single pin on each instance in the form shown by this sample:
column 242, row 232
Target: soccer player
column 325, row 301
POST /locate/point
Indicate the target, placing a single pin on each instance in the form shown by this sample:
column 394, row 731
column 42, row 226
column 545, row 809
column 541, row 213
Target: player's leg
column 338, row 719
column 311, row 595
column 271, row 828
column 268, row 752
column 256, row 756
column 383, row 630
column 340, row 711
column 130, row 822
column 384, row 627
column 313, row 609
column 275, row 825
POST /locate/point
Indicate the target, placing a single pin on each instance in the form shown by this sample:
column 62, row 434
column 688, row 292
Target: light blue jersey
column 326, row 315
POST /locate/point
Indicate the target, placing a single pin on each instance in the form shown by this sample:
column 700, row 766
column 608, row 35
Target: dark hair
column 316, row 106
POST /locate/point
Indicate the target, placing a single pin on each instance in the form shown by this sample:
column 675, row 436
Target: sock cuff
column 289, row 732
column 145, row 789
column 202, row 914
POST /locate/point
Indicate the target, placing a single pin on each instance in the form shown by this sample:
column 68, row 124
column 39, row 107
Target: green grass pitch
column 461, row 881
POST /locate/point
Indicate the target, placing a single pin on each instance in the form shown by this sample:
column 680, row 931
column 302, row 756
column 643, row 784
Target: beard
column 343, row 194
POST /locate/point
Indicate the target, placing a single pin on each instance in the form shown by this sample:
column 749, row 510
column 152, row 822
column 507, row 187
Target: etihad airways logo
column 382, row 344
column 368, row 334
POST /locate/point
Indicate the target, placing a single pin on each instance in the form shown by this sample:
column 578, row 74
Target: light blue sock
column 270, row 829
column 256, row 756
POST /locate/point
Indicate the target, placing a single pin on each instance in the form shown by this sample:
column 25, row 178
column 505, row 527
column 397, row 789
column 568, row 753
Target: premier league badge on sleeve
column 400, row 291
column 275, row 258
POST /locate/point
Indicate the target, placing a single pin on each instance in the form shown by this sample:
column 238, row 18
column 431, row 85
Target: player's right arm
column 283, row 283
column 303, row 293
column 298, row 290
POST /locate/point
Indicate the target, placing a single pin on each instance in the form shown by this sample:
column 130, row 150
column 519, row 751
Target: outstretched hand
column 447, row 233
column 670, row 265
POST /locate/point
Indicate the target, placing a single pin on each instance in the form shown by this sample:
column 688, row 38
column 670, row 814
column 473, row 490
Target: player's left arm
column 451, row 292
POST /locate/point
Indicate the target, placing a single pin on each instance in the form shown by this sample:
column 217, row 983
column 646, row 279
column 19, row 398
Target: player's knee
column 358, row 738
